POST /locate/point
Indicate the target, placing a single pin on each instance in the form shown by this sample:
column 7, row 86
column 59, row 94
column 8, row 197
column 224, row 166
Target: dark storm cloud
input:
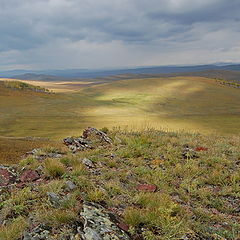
column 32, row 31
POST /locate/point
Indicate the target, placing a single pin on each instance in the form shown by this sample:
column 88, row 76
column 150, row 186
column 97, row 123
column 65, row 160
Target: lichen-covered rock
column 41, row 232
column 98, row 224
column 91, row 132
column 54, row 199
column 70, row 185
column 88, row 163
column 90, row 139
column 77, row 144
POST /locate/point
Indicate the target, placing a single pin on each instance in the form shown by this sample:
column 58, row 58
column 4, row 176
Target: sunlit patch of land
column 189, row 103
column 194, row 104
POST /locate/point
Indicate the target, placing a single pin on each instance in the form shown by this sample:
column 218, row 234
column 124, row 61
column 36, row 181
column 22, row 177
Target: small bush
column 113, row 188
column 105, row 130
column 66, row 161
column 21, row 196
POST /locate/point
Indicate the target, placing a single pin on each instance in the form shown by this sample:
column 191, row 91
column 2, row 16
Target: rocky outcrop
column 95, row 133
column 90, row 139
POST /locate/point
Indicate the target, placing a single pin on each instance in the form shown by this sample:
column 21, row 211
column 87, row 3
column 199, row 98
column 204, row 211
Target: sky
column 93, row 34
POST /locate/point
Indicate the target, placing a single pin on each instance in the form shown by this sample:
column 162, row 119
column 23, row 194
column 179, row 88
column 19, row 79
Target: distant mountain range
column 58, row 75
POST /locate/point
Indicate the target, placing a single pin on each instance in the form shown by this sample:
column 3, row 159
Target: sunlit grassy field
column 180, row 103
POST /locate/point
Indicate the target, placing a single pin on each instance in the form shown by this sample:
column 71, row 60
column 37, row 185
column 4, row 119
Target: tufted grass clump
column 13, row 230
column 157, row 211
column 58, row 217
column 54, row 168
column 134, row 216
column 96, row 195
column 29, row 162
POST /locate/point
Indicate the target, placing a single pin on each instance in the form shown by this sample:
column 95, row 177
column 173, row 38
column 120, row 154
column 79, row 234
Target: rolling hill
column 190, row 103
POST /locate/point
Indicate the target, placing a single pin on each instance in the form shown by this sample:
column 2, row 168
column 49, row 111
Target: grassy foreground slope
column 193, row 188
column 190, row 103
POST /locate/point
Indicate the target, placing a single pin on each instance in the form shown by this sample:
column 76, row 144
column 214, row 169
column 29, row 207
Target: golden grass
column 13, row 231
column 54, row 168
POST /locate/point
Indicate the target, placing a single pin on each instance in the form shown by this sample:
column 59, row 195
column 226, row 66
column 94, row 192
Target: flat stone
column 147, row 187
column 27, row 236
column 70, row 185
column 20, row 185
column 88, row 162
column 55, row 155
column 29, row 176
column 54, row 199
column 91, row 234
column 123, row 226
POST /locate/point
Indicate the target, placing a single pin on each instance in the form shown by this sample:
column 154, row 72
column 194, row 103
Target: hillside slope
column 125, row 185
column 190, row 103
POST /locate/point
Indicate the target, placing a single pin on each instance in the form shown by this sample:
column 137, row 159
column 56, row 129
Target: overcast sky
column 55, row 34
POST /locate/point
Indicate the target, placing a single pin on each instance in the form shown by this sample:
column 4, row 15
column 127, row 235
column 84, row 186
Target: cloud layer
column 47, row 34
